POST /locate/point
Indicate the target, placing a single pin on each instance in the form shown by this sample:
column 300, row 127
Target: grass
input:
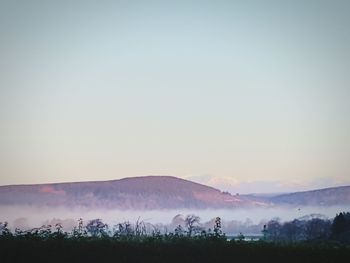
column 160, row 249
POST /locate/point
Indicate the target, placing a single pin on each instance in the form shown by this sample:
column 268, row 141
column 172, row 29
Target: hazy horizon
column 244, row 96
column 27, row 217
column 246, row 188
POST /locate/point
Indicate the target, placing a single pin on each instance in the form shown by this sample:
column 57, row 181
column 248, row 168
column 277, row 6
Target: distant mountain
column 321, row 197
column 149, row 192
column 158, row 192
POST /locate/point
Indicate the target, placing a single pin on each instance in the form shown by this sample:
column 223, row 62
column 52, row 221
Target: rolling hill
column 320, row 197
column 158, row 192
column 149, row 192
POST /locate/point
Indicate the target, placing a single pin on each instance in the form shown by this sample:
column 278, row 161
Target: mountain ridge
column 323, row 197
column 148, row 192
column 157, row 192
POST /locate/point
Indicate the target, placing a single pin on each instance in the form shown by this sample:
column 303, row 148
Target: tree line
column 315, row 229
column 96, row 228
column 95, row 241
column 312, row 230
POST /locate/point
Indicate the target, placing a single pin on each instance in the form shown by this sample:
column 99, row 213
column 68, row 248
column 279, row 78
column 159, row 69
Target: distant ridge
column 321, row 197
column 148, row 192
column 158, row 192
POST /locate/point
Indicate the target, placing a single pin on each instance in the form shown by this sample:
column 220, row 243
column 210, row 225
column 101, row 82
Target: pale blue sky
column 240, row 91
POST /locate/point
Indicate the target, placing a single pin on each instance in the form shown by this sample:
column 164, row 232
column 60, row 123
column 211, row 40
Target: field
column 161, row 249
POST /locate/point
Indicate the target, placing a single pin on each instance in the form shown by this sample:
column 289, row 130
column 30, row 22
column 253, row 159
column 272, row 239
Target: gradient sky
column 235, row 94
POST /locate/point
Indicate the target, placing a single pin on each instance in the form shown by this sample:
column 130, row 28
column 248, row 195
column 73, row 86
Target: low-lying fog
column 234, row 220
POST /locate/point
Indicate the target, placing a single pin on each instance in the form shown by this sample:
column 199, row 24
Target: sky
column 246, row 96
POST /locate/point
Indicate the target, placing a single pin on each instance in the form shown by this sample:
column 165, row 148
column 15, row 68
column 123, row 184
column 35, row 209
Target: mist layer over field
column 234, row 220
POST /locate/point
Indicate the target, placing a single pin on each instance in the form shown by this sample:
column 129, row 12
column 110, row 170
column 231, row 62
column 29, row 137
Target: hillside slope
column 321, row 197
column 149, row 192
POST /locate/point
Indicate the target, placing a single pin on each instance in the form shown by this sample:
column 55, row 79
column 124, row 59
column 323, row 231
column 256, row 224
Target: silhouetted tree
column 59, row 232
column 273, row 229
column 123, row 229
column 293, row 231
column 4, row 230
column 341, row 227
column 264, row 233
column 79, row 231
column 192, row 224
column 96, row 227
column 317, row 228
column 240, row 237
column 217, row 227
column 140, row 228
column 179, row 231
